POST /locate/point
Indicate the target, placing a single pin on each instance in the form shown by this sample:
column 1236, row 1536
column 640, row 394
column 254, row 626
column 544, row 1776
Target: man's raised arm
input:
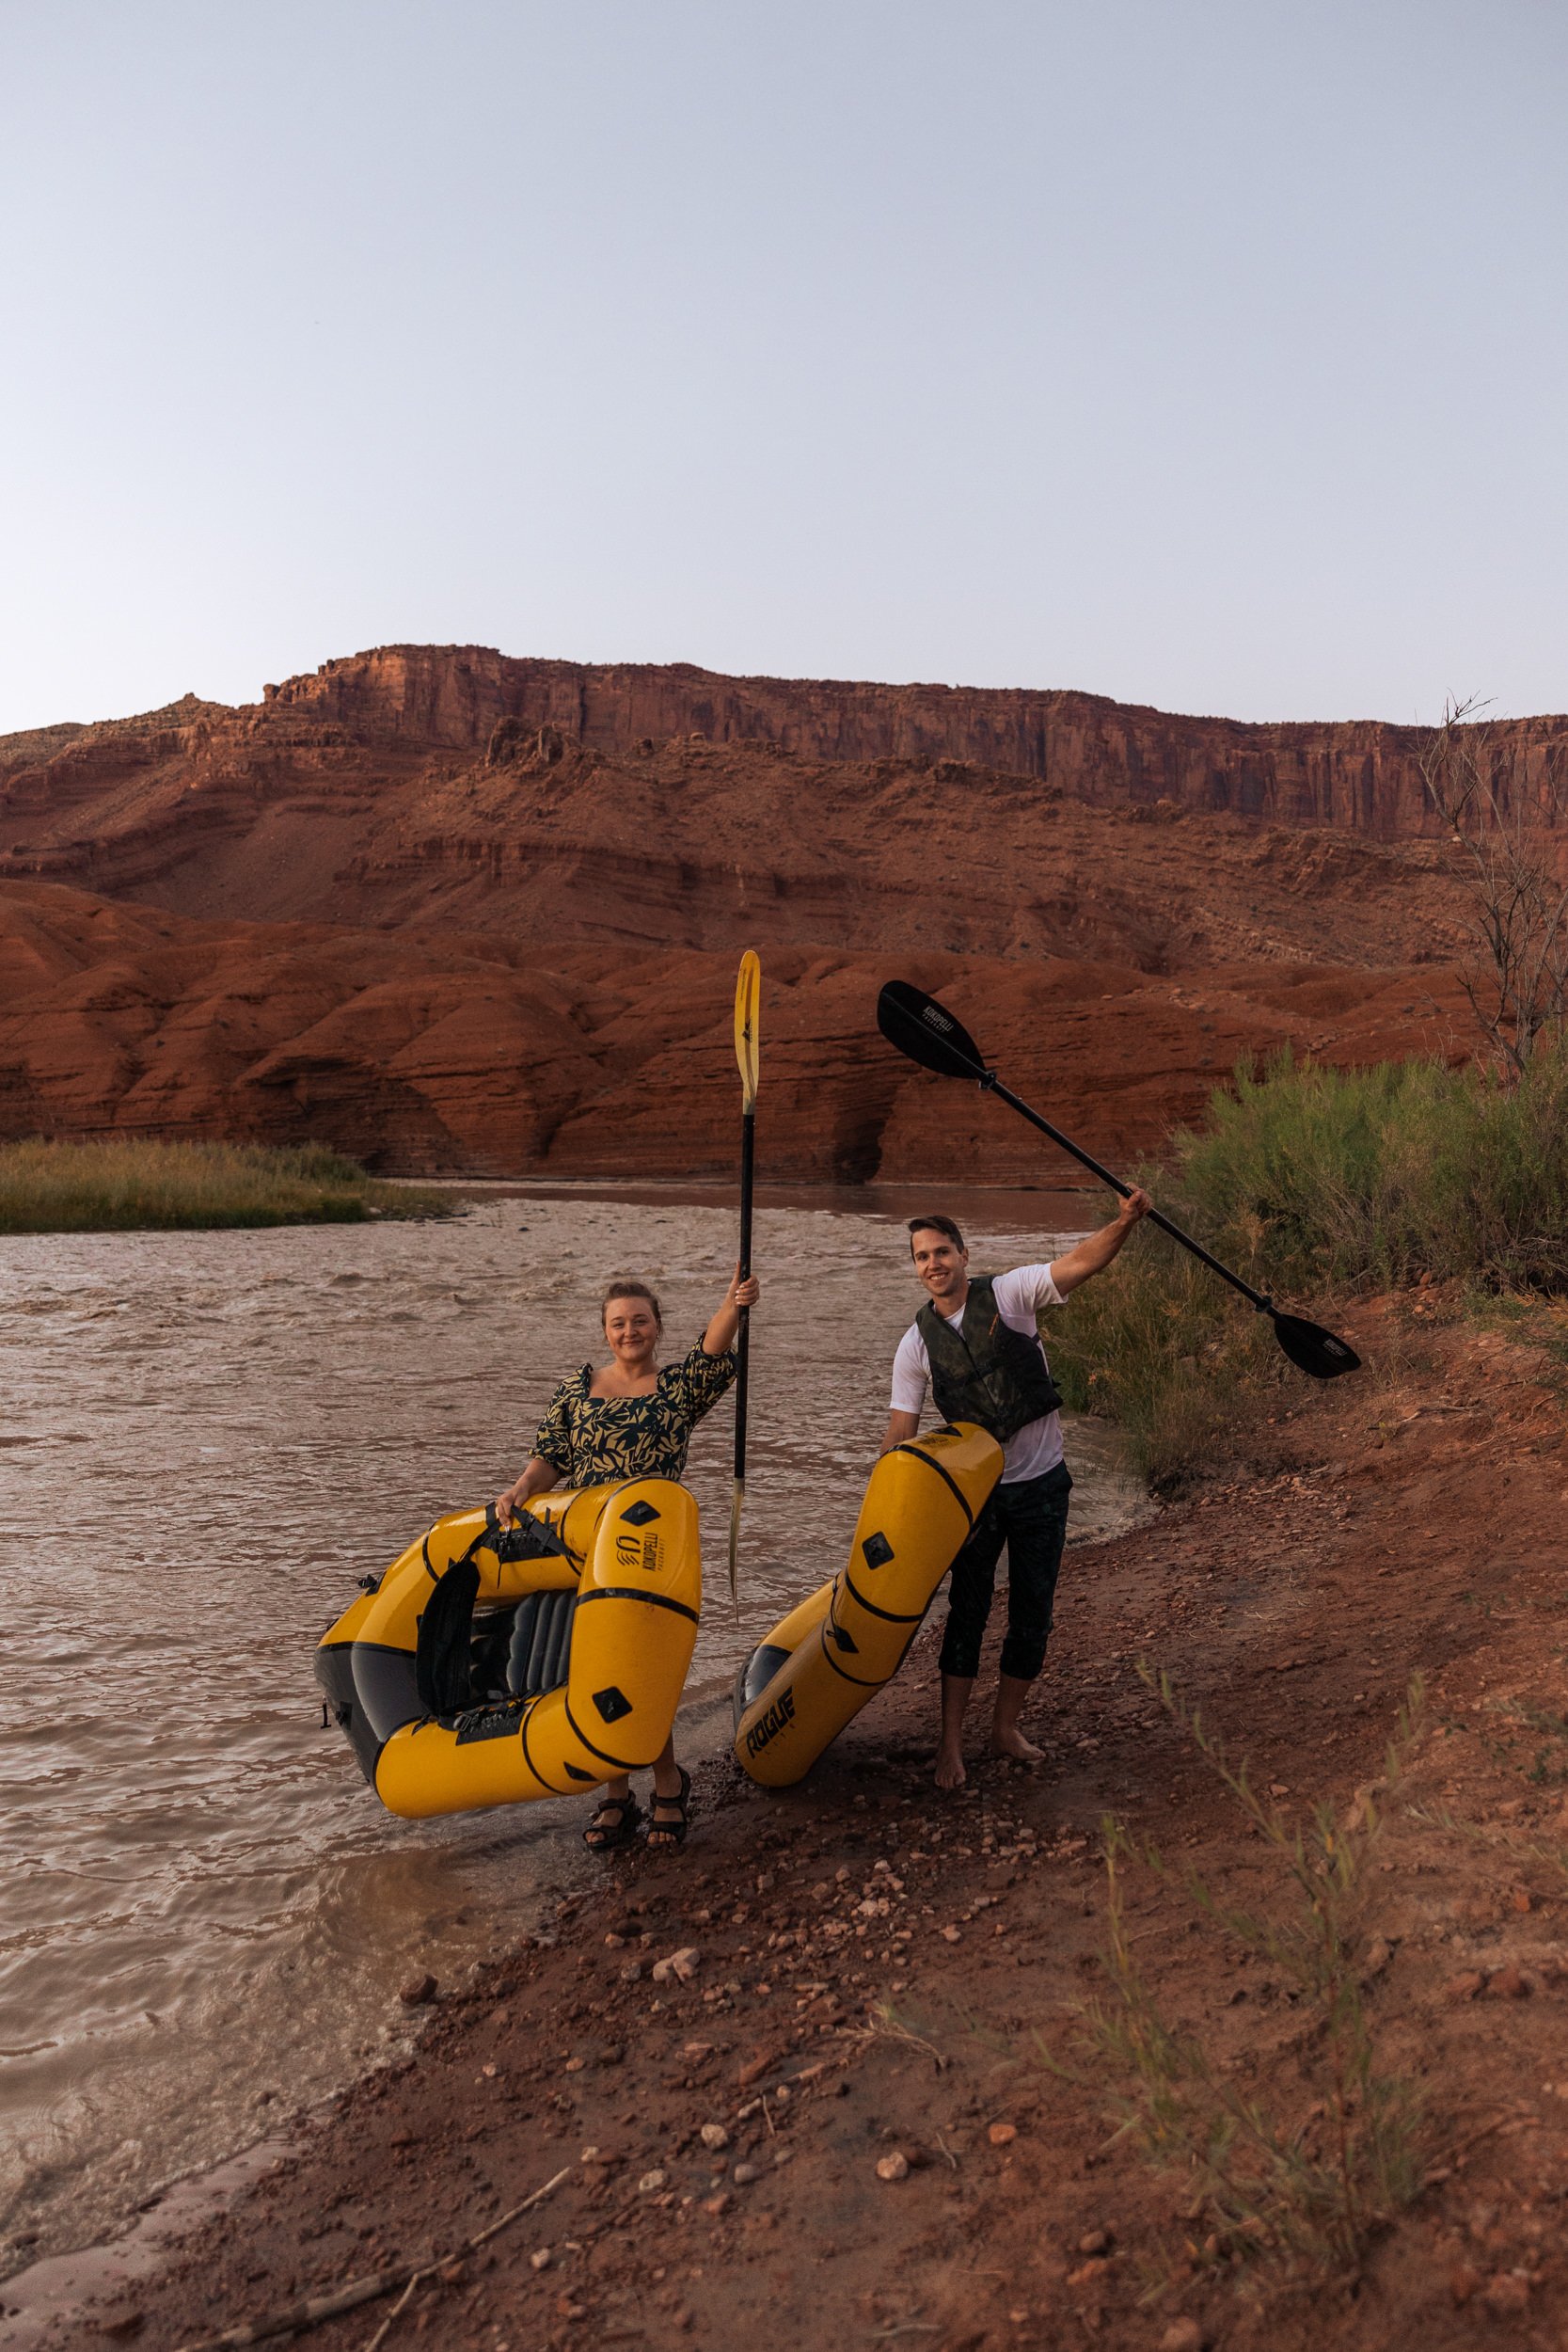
column 1095, row 1251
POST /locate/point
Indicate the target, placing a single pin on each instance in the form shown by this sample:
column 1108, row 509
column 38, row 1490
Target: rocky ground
column 823, row 2075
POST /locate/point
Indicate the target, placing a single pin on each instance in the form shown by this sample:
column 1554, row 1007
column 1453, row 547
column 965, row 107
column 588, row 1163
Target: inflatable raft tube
column 816, row 1669
column 489, row 1667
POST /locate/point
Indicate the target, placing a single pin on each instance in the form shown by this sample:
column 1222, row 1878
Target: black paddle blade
column 926, row 1031
column 1313, row 1349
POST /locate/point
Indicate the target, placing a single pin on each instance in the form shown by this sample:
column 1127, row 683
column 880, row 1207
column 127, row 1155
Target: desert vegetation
column 123, row 1183
column 1503, row 800
column 1318, row 1183
column 1309, row 2180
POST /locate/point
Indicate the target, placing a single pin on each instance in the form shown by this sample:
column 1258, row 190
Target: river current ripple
column 205, row 1439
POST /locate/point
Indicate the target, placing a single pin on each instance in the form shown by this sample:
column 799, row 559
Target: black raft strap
column 441, row 1656
column 527, row 1538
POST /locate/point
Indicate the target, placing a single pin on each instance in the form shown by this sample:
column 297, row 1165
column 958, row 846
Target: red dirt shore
column 877, row 1971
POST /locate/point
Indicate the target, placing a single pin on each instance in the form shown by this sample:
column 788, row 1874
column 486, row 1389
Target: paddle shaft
column 747, row 1152
column 994, row 1086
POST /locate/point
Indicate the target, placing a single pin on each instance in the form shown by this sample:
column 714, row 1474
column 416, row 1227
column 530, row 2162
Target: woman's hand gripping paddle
column 748, row 1006
column 928, row 1034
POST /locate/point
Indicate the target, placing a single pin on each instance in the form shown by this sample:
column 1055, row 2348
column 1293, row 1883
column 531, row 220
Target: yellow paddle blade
column 748, row 1008
column 738, row 1496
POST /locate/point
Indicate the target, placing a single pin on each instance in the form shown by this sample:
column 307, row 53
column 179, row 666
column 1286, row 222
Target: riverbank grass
column 1316, row 1185
column 121, row 1183
column 1311, row 2181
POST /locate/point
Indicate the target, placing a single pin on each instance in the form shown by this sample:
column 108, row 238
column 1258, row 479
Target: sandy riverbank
column 875, row 1970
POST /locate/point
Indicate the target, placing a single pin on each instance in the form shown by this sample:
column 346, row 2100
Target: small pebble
column 1183, row 2335
column 892, row 2167
column 715, row 2136
column 651, row 2181
column 417, row 1992
column 1000, row 2134
column 744, row 2174
column 540, row 2258
column 1095, row 2242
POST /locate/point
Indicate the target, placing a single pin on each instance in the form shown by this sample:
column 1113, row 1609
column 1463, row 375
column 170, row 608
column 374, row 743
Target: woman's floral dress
column 591, row 1440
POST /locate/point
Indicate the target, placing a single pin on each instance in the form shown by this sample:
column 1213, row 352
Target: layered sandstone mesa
column 1362, row 776
column 669, row 807
column 425, row 1052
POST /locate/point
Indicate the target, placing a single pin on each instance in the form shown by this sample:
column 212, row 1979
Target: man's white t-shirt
column 1037, row 1446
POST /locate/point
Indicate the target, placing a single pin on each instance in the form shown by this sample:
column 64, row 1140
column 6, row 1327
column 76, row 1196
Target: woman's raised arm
column 720, row 1336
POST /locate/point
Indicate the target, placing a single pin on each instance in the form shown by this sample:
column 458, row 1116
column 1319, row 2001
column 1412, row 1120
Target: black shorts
column 1030, row 1519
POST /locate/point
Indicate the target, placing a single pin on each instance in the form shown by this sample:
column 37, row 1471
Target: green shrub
column 126, row 1181
column 1310, row 1182
column 1160, row 1345
column 1343, row 1179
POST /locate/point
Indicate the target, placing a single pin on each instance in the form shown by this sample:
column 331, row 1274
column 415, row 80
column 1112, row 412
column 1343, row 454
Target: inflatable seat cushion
column 541, row 1643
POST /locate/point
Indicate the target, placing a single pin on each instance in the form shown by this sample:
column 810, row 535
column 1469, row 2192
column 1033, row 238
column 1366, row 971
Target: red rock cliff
column 1360, row 775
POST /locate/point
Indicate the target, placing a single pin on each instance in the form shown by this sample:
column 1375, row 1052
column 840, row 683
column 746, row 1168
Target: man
column 977, row 1343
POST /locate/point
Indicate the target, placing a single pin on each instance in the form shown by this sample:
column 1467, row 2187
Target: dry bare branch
column 1506, row 825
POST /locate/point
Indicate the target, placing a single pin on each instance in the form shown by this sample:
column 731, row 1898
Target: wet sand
column 207, row 1438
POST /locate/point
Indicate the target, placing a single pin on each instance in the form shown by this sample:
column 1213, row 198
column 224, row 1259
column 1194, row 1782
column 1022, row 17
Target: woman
column 630, row 1419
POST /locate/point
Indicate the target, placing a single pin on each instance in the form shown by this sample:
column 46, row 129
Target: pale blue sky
column 1205, row 352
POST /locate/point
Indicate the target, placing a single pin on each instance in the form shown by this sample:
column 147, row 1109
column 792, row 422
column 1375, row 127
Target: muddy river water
column 204, row 1439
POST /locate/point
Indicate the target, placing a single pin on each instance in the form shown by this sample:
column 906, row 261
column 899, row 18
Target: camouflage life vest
column 985, row 1371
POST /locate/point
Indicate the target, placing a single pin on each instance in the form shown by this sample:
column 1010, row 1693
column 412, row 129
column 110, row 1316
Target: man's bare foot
column 1006, row 1739
column 950, row 1767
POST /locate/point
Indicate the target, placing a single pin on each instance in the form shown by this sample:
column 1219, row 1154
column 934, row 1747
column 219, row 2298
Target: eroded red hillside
column 454, row 910
column 428, row 1050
